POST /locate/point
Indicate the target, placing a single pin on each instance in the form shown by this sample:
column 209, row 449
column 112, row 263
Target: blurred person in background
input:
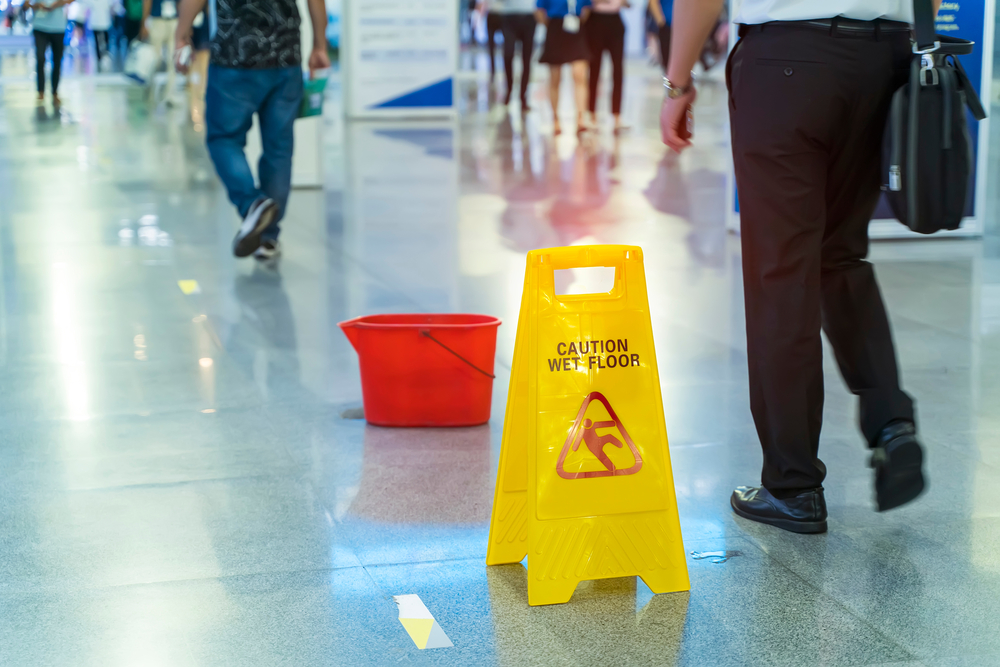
column 132, row 23
column 100, row 23
column 256, row 67
column 49, row 31
column 494, row 25
column 565, row 44
column 810, row 85
column 605, row 31
column 660, row 12
column 517, row 19
column 159, row 24
column 76, row 14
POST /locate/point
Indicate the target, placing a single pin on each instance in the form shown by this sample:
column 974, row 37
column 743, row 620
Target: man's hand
column 182, row 53
column 656, row 9
column 692, row 22
column 318, row 60
column 147, row 8
column 674, row 121
column 186, row 11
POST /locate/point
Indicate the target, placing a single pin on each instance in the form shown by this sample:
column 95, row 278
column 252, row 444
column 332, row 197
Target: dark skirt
column 563, row 47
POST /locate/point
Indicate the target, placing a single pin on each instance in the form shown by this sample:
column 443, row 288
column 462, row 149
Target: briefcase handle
column 927, row 39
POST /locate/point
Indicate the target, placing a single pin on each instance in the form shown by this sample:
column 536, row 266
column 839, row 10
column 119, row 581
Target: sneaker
column 260, row 216
column 269, row 249
column 898, row 462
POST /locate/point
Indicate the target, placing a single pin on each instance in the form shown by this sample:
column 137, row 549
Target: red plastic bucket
column 425, row 370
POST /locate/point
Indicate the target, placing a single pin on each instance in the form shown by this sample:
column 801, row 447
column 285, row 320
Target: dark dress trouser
column 808, row 109
column 518, row 28
column 493, row 26
column 663, row 33
column 606, row 32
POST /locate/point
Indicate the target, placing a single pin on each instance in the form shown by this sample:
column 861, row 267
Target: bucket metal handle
column 427, row 334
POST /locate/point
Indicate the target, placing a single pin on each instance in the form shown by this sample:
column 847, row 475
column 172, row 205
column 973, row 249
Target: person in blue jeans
column 255, row 67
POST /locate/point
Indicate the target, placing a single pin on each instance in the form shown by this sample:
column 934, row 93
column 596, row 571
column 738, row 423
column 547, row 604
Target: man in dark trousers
column 517, row 19
column 810, row 85
column 256, row 67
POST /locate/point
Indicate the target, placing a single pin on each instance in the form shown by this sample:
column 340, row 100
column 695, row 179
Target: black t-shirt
column 257, row 34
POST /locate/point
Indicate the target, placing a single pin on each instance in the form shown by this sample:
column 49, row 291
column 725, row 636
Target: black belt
column 835, row 27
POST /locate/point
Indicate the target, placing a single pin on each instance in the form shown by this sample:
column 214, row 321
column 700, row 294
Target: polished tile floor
column 183, row 480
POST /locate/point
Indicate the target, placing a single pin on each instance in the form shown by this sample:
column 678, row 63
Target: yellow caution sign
column 585, row 488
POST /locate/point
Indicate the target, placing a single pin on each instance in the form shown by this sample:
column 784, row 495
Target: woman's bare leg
column 580, row 73
column 555, row 78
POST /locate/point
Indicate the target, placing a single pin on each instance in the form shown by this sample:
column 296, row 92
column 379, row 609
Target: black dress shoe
column 897, row 459
column 804, row 513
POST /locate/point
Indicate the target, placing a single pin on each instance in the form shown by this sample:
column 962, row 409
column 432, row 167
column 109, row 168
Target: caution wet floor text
column 585, row 488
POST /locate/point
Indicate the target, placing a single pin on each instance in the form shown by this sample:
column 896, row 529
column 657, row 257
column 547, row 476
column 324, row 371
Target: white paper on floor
column 419, row 623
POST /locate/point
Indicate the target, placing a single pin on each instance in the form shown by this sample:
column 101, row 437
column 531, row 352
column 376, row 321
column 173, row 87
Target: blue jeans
column 233, row 96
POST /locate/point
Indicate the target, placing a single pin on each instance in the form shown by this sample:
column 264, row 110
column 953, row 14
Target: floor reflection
column 183, row 481
column 610, row 621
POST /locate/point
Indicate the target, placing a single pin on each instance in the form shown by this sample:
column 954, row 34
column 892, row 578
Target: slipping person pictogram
column 586, row 431
column 595, row 443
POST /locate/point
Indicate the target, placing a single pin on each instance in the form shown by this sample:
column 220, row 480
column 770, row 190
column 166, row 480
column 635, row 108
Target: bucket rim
column 372, row 321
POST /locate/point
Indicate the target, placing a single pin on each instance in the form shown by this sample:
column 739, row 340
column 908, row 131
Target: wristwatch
column 673, row 92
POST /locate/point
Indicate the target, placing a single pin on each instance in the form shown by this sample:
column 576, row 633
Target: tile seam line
column 162, row 485
column 935, row 327
column 136, row 584
column 246, row 574
column 431, row 562
column 379, row 279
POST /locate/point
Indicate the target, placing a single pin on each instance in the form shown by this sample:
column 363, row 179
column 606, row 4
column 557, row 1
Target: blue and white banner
column 400, row 57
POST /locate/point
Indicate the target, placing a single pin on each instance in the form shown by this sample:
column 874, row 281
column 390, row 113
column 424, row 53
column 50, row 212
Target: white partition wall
column 400, row 58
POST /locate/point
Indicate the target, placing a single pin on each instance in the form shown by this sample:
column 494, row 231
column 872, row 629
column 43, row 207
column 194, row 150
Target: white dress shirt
column 100, row 13
column 512, row 6
column 753, row 12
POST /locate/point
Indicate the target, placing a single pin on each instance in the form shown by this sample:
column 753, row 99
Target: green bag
column 312, row 98
column 133, row 10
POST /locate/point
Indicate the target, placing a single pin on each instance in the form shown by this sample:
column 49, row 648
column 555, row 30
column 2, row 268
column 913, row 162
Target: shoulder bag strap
column 923, row 24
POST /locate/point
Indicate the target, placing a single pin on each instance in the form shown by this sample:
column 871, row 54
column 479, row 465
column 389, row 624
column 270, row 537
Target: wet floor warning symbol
column 597, row 434
column 585, row 489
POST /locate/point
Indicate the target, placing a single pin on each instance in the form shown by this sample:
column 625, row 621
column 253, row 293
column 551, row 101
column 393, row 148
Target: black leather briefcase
column 929, row 151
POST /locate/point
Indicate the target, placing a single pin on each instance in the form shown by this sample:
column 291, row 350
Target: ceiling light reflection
column 68, row 344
